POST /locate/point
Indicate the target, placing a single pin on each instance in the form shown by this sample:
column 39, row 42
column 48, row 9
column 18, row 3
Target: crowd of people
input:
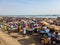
column 23, row 25
column 26, row 25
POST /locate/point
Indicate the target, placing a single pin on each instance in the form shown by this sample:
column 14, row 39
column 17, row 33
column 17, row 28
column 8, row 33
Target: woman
column 5, row 27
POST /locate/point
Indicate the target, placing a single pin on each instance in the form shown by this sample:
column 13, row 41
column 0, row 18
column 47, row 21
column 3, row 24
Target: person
column 47, row 36
column 35, row 26
column 24, row 32
column 47, row 31
column 30, row 31
column 12, row 28
column 24, row 29
column 27, row 28
column 9, row 29
column 1, row 27
column 5, row 27
column 20, row 28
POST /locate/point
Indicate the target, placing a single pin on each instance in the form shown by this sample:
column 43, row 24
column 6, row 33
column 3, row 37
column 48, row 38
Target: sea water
column 36, row 16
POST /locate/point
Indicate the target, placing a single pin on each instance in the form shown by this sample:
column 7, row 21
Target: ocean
column 35, row 16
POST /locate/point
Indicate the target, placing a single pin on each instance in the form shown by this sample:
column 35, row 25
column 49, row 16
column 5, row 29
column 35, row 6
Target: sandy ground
column 27, row 40
column 5, row 39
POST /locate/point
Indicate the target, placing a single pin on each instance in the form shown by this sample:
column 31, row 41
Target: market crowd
column 22, row 25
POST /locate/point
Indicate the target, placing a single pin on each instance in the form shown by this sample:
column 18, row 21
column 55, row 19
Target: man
column 24, row 29
column 47, row 31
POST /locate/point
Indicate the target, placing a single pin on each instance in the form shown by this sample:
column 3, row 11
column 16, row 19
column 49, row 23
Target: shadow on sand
column 32, row 40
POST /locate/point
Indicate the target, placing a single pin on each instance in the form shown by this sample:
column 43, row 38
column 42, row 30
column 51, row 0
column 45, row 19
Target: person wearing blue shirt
column 45, row 30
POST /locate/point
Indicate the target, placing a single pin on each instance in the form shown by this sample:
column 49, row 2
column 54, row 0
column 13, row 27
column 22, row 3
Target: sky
column 29, row 7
